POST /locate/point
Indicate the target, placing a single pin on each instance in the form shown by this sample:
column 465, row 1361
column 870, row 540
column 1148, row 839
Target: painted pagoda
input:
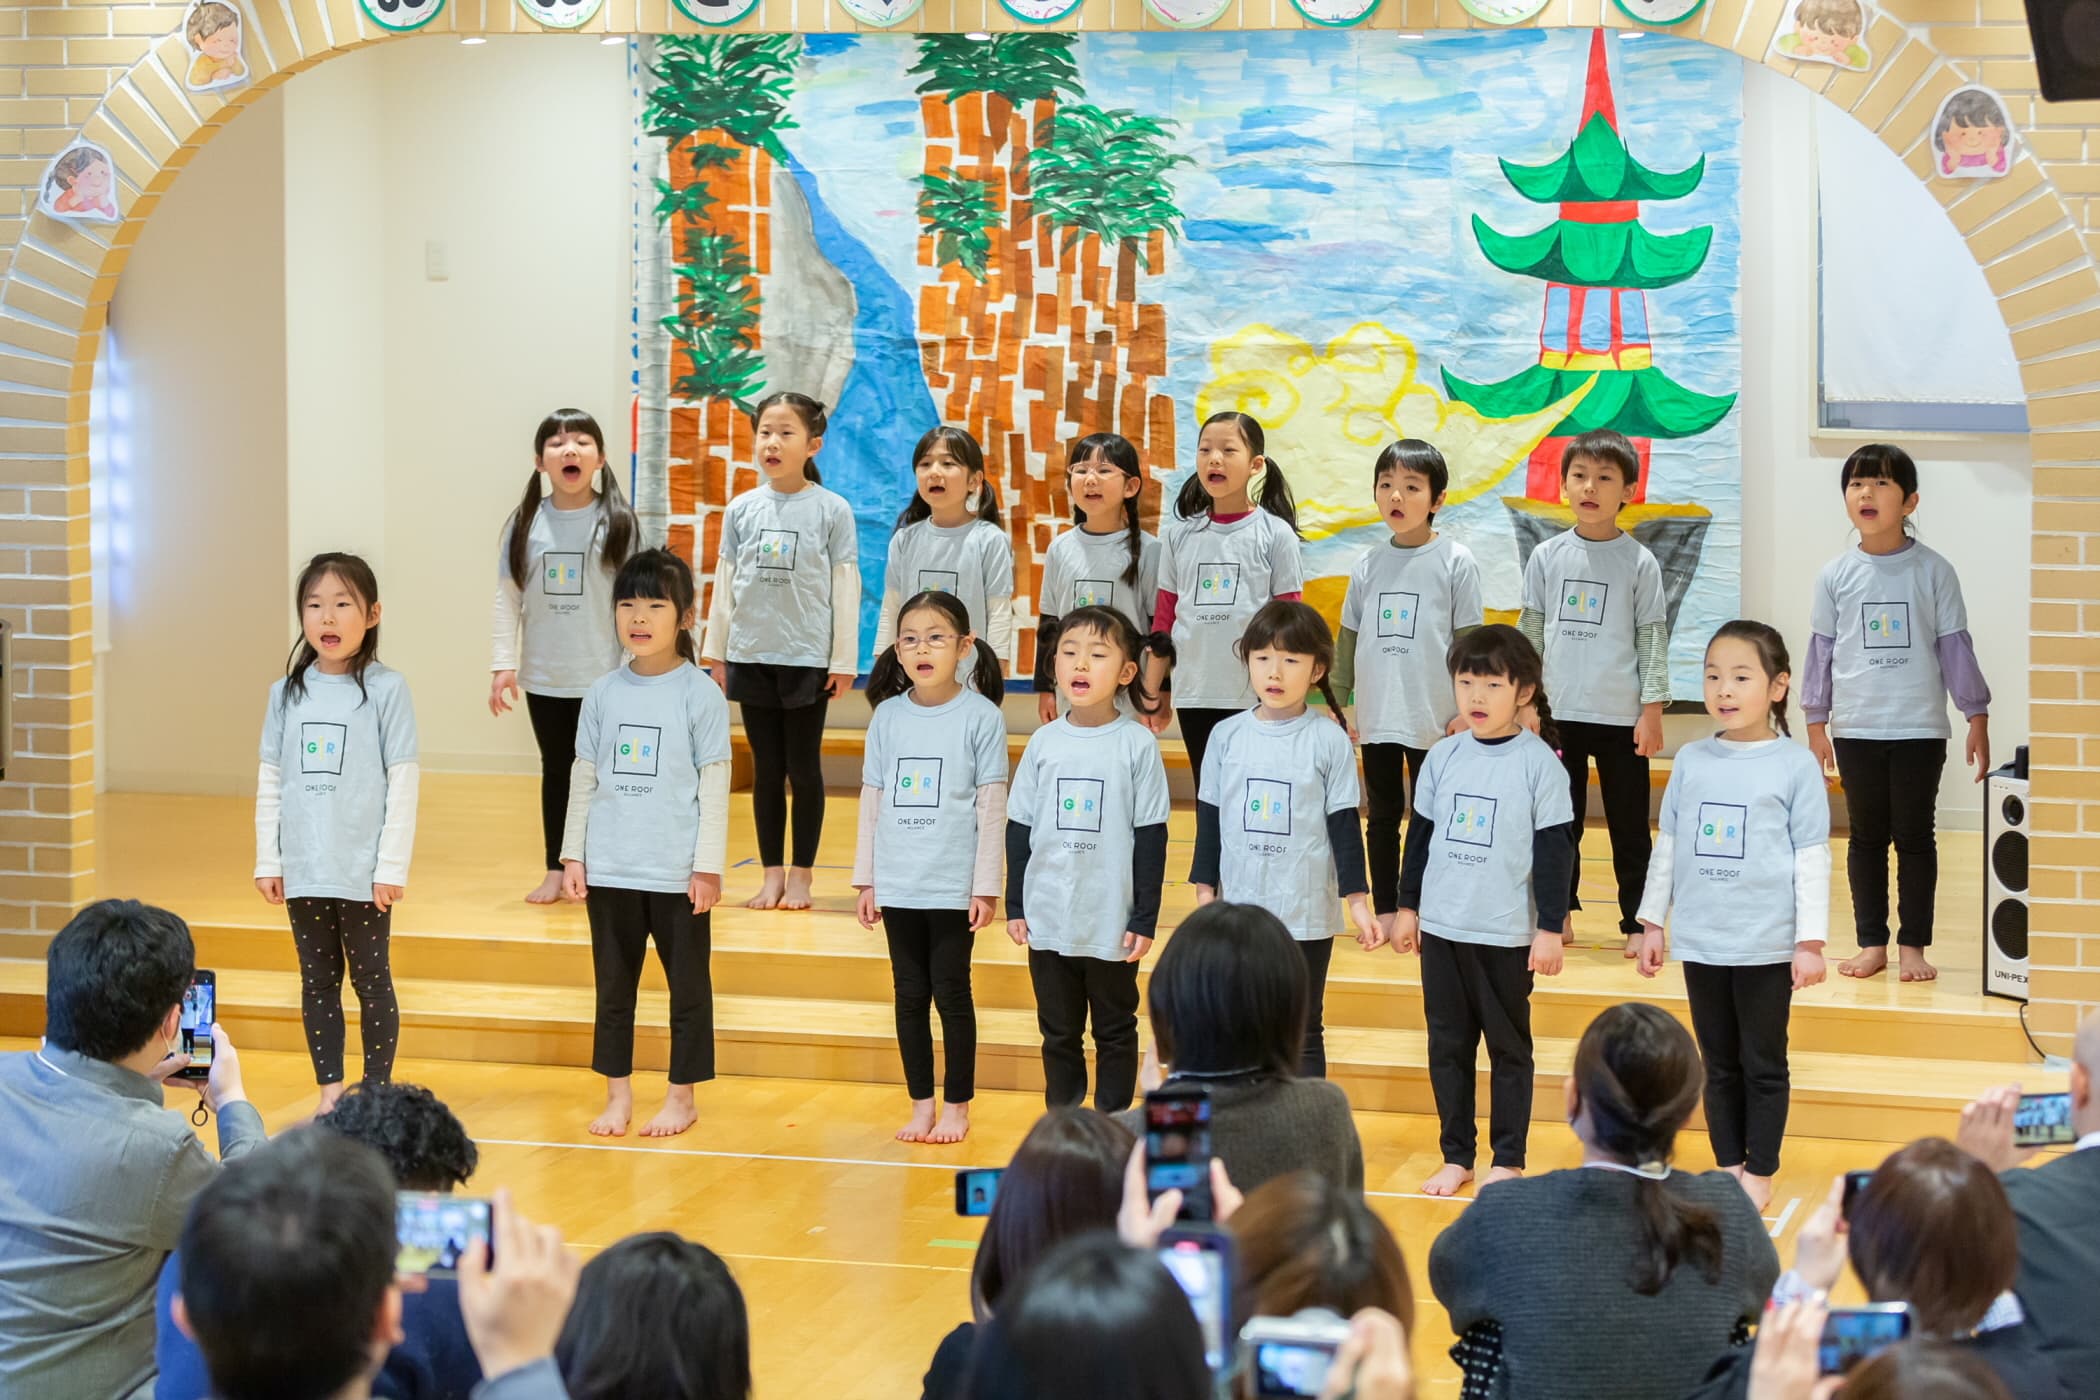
column 1599, row 263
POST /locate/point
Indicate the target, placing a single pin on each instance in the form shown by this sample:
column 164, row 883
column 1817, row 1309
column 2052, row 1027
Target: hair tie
column 1655, row 1170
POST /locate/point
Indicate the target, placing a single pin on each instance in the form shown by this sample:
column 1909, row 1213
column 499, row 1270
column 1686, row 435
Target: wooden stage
column 792, row 1173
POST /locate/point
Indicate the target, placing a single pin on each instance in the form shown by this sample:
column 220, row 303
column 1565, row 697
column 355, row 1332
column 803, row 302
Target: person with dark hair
column 1092, row 1318
column 656, row 1317
column 551, row 622
column 647, row 837
column 1065, row 1179
column 1110, row 561
column 950, row 539
column 1623, row 1277
column 1228, row 1003
column 783, row 633
column 335, row 813
column 1927, row 1370
column 427, row 1149
column 287, row 1281
column 1889, row 645
column 96, row 1176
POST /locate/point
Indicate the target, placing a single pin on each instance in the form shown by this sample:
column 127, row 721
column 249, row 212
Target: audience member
column 1622, row 1277
column 288, row 1280
column 428, row 1150
column 2058, row 1208
column 1228, row 1008
column 1926, row 1370
column 657, row 1317
column 97, row 1176
column 1065, row 1179
column 1302, row 1241
column 1093, row 1319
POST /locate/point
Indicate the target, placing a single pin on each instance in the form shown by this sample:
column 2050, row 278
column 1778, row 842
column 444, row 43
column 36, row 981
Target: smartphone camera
column 1855, row 1182
column 1200, row 1259
column 2043, row 1120
column 200, row 1011
column 435, row 1231
column 1852, row 1336
column 1177, row 1148
column 1291, row 1355
column 976, row 1188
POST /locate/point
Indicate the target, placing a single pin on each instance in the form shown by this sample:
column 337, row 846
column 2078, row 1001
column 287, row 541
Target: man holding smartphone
column 97, row 1176
column 2058, row 1207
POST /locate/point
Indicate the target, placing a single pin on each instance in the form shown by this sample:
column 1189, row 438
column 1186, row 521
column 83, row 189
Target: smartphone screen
column 976, row 1188
column 1854, row 1335
column 1201, row 1262
column 1177, row 1148
column 200, row 1009
column 1291, row 1368
column 2043, row 1120
column 1855, row 1182
column 434, row 1231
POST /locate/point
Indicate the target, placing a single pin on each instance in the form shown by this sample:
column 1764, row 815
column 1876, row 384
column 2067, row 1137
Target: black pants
column 554, row 730
column 622, row 922
column 1891, row 789
column 1739, row 1015
column 930, row 967
column 1196, row 726
column 787, row 747
column 1390, row 771
column 1312, row 1062
column 327, row 933
column 1067, row 989
column 1470, row 990
column 1622, row 778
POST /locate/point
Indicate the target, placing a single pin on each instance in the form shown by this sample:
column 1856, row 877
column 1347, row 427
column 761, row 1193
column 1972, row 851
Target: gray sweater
column 1265, row 1126
column 1548, row 1259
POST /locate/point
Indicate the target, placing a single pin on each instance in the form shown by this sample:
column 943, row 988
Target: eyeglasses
column 1097, row 471
column 932, row 641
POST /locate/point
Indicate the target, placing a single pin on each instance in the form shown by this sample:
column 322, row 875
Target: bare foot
column 1633, row 945
column 1735, row 1171
column 331, row 1095
column 1567, row 929
column 675, row 1116
column 1868, row 962
column 1913, row 966
column 547, row 891
column 1758, row 1189
column 1449, row 1177
column 768, row 896
column 921, row 1122
column 954, row 1125
column 619, row 1108
column 799, row 881
column 1496, row 1174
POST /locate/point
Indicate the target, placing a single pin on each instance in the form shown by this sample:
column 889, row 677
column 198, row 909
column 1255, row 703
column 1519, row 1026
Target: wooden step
column 1838, row 1095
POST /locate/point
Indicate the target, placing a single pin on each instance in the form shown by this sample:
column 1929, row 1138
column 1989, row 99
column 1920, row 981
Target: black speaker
column 2066, row 36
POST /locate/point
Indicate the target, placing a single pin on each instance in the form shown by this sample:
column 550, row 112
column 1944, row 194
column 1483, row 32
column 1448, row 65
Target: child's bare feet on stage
column 775, row 885
column 331, row 1094
column 1757, row 1188
column 1735, row 1171
column 1633, row 944
column 799, row 881
column 1449, row 1177
column 1867, row 962
column 619, row 1108
column 1496, row 1174
column 547, row 891
column 921, row 1123
column 675, row 1116
column 954, row 1125
column 1913, row 966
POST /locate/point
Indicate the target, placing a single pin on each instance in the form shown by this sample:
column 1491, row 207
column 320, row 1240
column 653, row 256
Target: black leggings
column 1622, row 781
column 554, row 730
column 1196, row 726
column 1739, row 1015
column 325, row 931
column 1891, row 788
column 1390, row 774
column 1312, row 1062
column 622, row 923
column 787, row 747
column 930, row 967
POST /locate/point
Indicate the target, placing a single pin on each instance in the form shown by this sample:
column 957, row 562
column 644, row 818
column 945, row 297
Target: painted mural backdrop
column 1491, row 240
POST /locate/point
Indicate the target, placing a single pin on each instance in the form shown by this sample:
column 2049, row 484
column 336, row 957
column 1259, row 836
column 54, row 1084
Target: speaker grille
column 2009, row 861
column 2009, row 928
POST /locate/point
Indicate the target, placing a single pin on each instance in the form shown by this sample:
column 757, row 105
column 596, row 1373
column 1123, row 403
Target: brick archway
column 2031, row 232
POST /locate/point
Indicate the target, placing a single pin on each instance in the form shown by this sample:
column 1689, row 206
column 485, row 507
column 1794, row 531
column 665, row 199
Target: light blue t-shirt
column 1736, row 814
column 1406, row 606
column 332, row 747
column 1487, row 801
column 1083, row 792
column 1221, row 576
column 1595, row 596
column 649, row 736
column 974, row 561
column 1273, row 784
column 565, row 609
column 1887, row 613
column 928, row 762
column 778, row 551
column 1086, row 571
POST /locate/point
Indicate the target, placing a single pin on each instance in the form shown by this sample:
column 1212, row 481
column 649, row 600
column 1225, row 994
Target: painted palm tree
column 960, row 214
column 1017, row 67
column 1104, row 172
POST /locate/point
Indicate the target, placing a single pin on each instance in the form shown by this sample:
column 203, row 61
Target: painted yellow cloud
column 1327, row 413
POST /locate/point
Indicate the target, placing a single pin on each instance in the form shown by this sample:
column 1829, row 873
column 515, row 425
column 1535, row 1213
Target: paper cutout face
column 1972, row 138
column 1336, row 13
column 80, row 184
column 1502, row 11
column 400, row 16
column 715, row 11
column 1039, row 11
column 1187, row 14
column 1659, row 14
column 212, row 29
column 880, row 13
column 1826, row 31
column 561, row 14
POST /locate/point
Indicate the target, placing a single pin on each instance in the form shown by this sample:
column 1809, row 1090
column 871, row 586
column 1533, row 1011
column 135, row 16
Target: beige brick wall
column 109, row 71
